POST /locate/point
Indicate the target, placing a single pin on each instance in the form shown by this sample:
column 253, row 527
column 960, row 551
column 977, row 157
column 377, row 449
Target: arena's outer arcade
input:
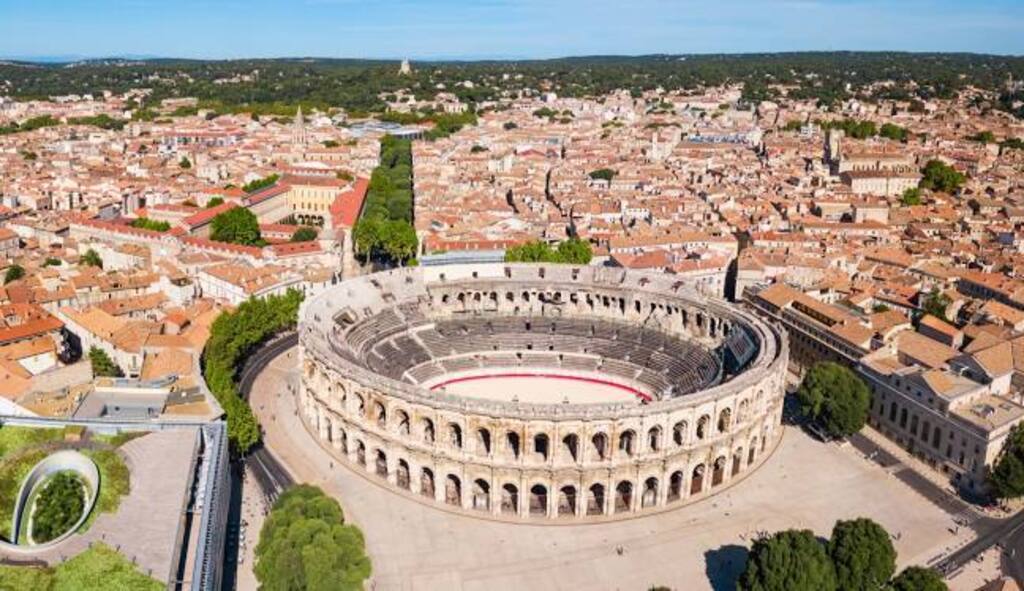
column 708, row 378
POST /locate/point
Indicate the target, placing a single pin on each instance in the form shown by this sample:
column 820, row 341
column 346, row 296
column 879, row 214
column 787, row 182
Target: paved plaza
column 806, row 484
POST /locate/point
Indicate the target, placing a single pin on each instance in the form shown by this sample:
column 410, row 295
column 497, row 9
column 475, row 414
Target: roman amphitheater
column 532, row 392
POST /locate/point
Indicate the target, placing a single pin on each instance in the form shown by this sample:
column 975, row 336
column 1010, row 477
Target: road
column 1008, row 532
column 270, row 474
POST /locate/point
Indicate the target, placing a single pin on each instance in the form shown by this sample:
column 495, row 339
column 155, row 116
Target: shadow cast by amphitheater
column 724, row 565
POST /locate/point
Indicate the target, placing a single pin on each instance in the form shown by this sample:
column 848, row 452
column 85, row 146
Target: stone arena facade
column 709, row 380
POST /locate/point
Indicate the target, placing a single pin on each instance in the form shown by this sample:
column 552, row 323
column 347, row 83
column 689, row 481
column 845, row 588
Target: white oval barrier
column 60, row 461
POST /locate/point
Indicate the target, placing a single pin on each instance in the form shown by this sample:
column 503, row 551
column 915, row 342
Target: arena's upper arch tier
column 554, row 391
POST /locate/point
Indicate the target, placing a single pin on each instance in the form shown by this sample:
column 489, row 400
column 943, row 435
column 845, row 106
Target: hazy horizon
column 499, row 29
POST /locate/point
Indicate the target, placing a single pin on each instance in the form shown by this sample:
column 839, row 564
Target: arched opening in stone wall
column 403, row 422
column 752, row 453
column 654, row 439
column 382, row 416
column 510, row 499
column 427, row 482
column 455, row 435
column 623, row 496
column 481, row 495
column 402, row 474
column 538, row 500
column 697, row 480
column 360, row 453
column 679, row 433
column 675, row 486
column 600, row 442
column 650, row 496
column 453, row 491
column 381, row 464
column 541, row 446
column 718, row 474
column 567, row 500
column 737, row 461
column 342, row 441
column 627, row 442
column 702, row 426
column 571, row 444
column 512, row 442
column 428, row 431
column 724, row 420
column 483, row 441
column 595, row 500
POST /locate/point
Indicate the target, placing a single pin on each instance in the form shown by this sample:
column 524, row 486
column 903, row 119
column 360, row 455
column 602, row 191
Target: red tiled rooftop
column 347, row 206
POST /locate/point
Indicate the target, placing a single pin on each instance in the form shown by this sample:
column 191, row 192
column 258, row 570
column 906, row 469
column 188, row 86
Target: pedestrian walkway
column 923, row 470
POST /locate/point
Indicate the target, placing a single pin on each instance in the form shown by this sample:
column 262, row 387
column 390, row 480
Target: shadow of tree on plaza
column 724, row 565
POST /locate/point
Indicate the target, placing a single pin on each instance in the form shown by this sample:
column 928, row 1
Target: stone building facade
column 507, row 460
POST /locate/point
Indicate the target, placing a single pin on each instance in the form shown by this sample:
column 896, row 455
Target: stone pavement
column 414, row 546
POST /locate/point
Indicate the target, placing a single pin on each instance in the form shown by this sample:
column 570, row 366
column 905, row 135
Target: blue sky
column 424, row 29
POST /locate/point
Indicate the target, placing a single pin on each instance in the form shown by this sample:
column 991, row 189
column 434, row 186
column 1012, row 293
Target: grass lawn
column 13, row 439
column 114, row 483
column 100, row 568
column 12, row 473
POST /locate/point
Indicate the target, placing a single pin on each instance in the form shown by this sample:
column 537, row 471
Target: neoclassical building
column 540, row 391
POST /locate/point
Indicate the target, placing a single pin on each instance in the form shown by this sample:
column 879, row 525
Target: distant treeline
column 277, row 86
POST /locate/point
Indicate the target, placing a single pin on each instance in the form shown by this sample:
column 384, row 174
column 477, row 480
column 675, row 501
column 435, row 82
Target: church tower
column 299, row 129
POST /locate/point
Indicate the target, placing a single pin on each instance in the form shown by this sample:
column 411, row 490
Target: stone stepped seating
column 414, row 314
column 460, row 363
column 540, row 359
column 579, row 362
column 384, row 343
column 374, row 328
column 422, row 373
column 656, row 382
column 436, row 343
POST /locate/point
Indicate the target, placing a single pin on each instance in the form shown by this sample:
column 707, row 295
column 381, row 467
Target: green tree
column 834, row 398
column 510, row 125
column 604, row 174
column 893, row 132
column 306, row 544
column 790, row 560
column 233, row 337
column 153, row 225
column 936, row 303
column 916, row 578
column 572, row 251
column 92, row 259
column 58, row 507
column 262, row 183
column 575, row 252
column 304, row 234
column 939, row 176
column 911, row 197
column 214, row 202
column 862, row 554
column 103, row 365
column 1007, row 475
column 14, row 273
column 983, row 137
column 51, row 262
column 237, row 226
column 185, row 163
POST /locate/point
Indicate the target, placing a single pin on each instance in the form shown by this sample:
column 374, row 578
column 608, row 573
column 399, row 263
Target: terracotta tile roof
column 206, row 216
column 348, row 205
